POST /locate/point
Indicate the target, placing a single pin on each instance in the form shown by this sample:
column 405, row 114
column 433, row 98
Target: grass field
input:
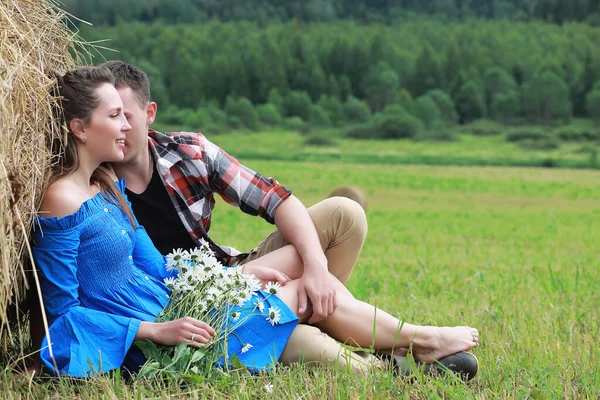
column 511, row 251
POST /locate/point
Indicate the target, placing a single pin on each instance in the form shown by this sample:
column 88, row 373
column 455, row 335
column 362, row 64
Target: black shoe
column 463, row 364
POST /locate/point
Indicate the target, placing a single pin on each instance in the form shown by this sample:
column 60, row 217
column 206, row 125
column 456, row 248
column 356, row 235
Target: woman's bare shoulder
column 62, row 198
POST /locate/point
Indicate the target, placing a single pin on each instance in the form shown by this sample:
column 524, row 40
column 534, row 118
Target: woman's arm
column 174, row 332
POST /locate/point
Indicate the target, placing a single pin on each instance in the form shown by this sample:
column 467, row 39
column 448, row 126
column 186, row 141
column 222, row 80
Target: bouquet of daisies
column 205, row 290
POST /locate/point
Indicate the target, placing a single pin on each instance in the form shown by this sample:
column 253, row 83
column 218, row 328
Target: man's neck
column 137, row 172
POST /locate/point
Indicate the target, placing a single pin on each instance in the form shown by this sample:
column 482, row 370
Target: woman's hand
column 192, row 331
column 266, row 274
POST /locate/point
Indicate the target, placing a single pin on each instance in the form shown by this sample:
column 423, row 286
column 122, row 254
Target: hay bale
column 353, row 193
column 34, row 43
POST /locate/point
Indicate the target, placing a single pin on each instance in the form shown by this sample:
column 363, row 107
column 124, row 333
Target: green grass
column 511, row 251
column 468, row 150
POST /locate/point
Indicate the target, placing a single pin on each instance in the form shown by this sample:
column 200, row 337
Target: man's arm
column 296, row 226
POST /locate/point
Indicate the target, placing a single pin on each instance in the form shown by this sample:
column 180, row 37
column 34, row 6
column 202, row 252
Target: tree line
column 458, row 71
column 109, row 12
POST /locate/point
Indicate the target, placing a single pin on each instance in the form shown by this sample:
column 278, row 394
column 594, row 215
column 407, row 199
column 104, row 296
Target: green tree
column 243, row 111
column 428, row 73
column 427, row 111
column 380, row 86
column 593, row 103
column 445, row 105
column 356, row 111
column 546, row 98
column 470, row 101
column 334, row 109
column 319, row 117
column 297, row 104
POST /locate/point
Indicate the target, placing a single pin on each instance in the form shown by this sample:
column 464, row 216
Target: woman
column 102, row 279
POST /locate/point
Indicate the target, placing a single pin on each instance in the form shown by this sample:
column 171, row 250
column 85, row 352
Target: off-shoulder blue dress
column 101, row 278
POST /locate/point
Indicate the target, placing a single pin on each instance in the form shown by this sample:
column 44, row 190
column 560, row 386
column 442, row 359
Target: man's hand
column 316, row 286
column 266, row 274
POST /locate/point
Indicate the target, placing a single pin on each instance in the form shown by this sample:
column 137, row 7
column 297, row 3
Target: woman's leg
column 358, row 323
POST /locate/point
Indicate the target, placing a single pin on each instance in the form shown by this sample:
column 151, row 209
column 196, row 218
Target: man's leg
column 342, row 228
column 308, row 345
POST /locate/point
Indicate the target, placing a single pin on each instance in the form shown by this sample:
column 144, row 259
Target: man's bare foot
column 432, row 343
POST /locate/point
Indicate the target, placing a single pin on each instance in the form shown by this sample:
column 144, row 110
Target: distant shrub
column 592, row 101
column 543, row 144
column 356, row 110
column 484, row 127
column 275, row 98
column 218, row 116
column 315, row 139
column 319, row 117
column 334, row 108
column 268, row 114
column 505, row 106
column 172, row 116
column 297, row 104
column 525, row 134
column 294, row 124
column 366, row 130
column 426, row 110
column 445, row 105
column 243, row 109
column 574, row 134
column 198, row 120
column 234, row 121
column 399, row 126
column 436, row 134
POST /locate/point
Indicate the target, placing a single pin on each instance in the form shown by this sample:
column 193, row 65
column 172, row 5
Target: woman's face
column 105, row 132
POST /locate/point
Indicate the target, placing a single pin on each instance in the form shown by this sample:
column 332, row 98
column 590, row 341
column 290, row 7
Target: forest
column 361, row 70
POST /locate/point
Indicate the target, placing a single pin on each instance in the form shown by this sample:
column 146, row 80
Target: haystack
column 34, row 43
column 351, row 192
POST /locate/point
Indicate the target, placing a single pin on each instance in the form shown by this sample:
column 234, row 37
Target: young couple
column 102, row 268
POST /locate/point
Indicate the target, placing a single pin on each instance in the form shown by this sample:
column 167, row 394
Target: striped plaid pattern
column 193, row 169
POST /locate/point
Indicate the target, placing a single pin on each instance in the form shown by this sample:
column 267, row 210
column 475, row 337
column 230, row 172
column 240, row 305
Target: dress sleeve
column 147, row 257
column 241, row 186
column 84, row 341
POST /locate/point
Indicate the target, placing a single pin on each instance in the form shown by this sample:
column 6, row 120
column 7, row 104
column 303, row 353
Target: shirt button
column 123, row 232
column 146, row 277
column 130, row 257
column 105, row 209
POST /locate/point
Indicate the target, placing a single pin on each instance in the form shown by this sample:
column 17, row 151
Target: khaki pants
column 342, row 228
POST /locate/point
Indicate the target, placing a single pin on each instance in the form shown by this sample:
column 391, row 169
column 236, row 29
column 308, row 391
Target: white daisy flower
column 170, row 282
column 260, row 305
column 177, row 257
column 234, row 317
column 274, row 315
column 246, row 347
column 253, row 283
column 272, row 287
column 269, row 388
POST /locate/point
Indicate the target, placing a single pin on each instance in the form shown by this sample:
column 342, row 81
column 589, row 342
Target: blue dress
column 101, row 278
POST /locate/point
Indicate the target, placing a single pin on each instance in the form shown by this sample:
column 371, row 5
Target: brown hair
column 77, row 98
column 130, row 75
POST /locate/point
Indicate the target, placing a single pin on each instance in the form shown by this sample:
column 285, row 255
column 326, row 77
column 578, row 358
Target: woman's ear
column 76, row 126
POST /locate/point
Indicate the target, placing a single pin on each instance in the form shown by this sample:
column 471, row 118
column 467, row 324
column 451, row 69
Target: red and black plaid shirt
column 193, row 169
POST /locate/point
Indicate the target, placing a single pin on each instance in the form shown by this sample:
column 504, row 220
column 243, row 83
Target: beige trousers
column 342, row 228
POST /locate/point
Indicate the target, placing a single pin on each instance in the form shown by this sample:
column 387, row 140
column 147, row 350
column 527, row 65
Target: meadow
column 511, row 251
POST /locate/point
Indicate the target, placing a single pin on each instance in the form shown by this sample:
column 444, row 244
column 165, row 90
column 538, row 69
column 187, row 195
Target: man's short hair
column 130, row 75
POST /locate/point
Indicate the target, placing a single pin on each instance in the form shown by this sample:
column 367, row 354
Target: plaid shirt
column 193, row 168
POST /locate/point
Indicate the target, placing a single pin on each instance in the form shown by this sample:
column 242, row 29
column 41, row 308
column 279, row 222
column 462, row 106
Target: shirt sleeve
column 240, row 186
column 84, row 341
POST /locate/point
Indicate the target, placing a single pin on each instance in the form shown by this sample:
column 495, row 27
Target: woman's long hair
column 77, row 98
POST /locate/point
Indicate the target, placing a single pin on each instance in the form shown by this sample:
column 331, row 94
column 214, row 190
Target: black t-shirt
column 155, row 211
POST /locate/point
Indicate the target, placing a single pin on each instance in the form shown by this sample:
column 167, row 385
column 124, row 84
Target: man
column 171, row 181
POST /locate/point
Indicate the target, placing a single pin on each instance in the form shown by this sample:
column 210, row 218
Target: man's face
column 139, row 118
